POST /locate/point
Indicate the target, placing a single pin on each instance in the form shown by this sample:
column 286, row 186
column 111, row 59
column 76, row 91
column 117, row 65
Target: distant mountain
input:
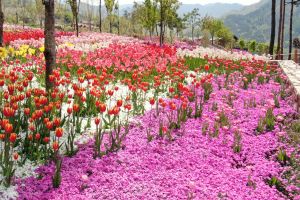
column 254, row 22
column 213, row 9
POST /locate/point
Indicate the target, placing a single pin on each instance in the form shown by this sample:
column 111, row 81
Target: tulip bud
column 55, row 146
column 12, row 137
column 58, row 132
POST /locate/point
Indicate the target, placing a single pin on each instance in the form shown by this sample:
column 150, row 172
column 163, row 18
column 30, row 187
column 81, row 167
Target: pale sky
column 244, row 2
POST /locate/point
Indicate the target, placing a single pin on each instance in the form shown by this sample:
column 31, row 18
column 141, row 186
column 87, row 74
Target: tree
column 226, row 36
column 39, row 11
column 252, row 46
column 109, row 4
column 193, row 19
column 291, row 30
column 212, row 25
column 49, row 53
column 282, row 31
column 149, row 19
column 75, row 10
column 173, row 22
column 1, row 24
column 273, row 28
column 242, row 44
column 117, row 7
column 89, row 13
column 293, row 3
column 167, row 10
column 100, row 16
column 279, row 30
column 134, row 17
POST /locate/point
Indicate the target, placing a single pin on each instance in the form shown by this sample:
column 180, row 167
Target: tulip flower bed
column 136, row 121
column 9, row 37
column 221, row 154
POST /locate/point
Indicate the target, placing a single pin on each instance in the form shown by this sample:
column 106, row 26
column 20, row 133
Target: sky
column 244, row 2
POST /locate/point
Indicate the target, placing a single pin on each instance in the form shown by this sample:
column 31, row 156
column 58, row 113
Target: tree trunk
column 291, row 29
column 50, row 53
column 17, row 17
column 279, row 30
column 212, row 39
column 273, row 28
column 118, row 21
column 161, row 24
column 76, row 17
column 1, row 24
column 110, row 23
column 41, row 22
column 100, row 16
column 76, row 25
column 282, row 31
column 193, row 33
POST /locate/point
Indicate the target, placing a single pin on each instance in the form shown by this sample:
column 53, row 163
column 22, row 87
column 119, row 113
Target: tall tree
column 193, row 19
column 282, row 31
column 89, row 13
column 117, row 8
column 168, row 10
column 291, row 30
column 75, row 10
column 273, row 28
column 49, row 53
column 212, row 25
column 1, row 24
column 100, row 16
column 149, row 17
column 39, row 11
column 279, row 30
column 109, row 4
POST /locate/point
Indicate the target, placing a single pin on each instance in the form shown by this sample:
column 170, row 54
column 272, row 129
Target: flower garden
column 128, row 119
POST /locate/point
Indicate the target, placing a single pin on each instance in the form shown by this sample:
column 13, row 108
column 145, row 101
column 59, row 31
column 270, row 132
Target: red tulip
column 119, row 103
column 152, row 101
column 46, row 139
column 12, row 137
column 49, row 125
column 206, row 67
column 69, row 110
column 55, row 146
column 102, row 108
column 110, row 92
column 171, row 89
column 15, row 156
column 58, row 132
column 8, row 128
column 76, row 107
column 97, row 121
column 37, row 136
column 56, row 121
column 8, row 112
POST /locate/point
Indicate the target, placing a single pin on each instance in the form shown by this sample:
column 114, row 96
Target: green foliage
column 150, row 15
column 212, row 25
column 237, row 142
column 225, row 35
column 270, row 120
column 109, row 5
column 252, row 46
column 208, row 89
column 192, row 19
column 242, row 44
